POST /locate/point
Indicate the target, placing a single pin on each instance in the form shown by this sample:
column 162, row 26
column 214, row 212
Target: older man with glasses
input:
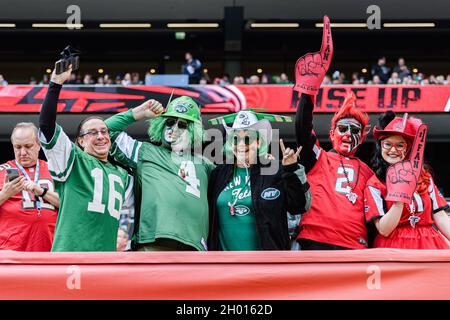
column 92, row 189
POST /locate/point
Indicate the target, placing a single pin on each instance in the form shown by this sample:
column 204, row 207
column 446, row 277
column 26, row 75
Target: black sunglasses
column 170, row 122
column 247, row 139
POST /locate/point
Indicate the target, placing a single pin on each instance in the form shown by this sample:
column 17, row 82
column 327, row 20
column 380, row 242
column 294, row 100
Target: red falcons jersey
column 333, row 218
column 418, row 212
column 22, row 228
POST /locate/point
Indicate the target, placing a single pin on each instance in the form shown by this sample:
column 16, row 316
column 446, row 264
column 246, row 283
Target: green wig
column 195, row 130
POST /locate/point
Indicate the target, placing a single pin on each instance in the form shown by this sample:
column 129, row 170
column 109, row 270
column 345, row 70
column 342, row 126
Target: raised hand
column 148, row 110
column 402, row 177
column 289, row 156
column 62, row 77
column 311, row 68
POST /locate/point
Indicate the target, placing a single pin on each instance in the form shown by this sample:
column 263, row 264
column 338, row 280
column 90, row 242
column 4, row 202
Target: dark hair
column 379, row 165
column 80, row 126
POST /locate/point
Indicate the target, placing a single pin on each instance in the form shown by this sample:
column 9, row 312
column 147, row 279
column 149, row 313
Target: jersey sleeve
column 128, row 203
column 373, row 204
column 298, row 194
column 438, row 201
column 304, row 132
column 124, row 149
column 60, row 153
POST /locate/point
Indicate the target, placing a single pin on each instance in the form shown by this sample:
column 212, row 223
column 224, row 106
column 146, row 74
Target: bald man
column 28, row 203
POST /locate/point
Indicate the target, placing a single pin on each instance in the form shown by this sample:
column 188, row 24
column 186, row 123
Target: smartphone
column 12, row 173
column 69, row 56
column 63, row 64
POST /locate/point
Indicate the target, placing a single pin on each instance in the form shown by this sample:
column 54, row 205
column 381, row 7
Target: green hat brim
column 180, row 115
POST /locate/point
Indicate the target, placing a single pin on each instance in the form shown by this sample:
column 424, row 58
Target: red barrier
column 217, row 99
column 361, row 274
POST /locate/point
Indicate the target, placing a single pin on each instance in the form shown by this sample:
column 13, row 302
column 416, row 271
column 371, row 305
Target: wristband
column 44, row 192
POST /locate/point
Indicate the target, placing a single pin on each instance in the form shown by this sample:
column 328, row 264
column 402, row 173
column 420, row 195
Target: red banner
column 260, row 275
column 218, row 99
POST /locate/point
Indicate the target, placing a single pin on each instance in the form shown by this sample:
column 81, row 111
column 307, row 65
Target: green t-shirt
column 237, row 231
column 91, row 195
column 172, row 190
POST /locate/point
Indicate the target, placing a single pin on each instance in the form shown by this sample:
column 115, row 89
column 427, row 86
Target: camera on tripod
column 69, row 56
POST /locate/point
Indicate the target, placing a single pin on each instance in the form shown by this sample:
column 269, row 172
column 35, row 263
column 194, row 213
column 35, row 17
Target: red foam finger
column 391, row 174
column 416, row 159
column 407, row 166
column 326, row 49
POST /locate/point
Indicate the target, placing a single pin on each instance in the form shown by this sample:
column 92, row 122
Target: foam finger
column 327, row 40
column 418, row 150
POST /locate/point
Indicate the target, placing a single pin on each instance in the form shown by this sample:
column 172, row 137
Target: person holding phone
column 28, row 201
column 92, row 189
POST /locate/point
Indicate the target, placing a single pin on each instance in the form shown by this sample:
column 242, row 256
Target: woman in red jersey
column 412, row 216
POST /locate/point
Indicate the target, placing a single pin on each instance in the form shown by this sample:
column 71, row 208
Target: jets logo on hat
column 181, row 108
column 244, row 119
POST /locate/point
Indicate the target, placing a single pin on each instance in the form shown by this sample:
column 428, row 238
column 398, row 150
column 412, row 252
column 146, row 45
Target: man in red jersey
column 28, row 203
column 336, row 218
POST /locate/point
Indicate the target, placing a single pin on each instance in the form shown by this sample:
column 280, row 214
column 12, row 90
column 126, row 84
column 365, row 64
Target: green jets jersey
column 171, row 189
column 237, row 222
column 91, row 195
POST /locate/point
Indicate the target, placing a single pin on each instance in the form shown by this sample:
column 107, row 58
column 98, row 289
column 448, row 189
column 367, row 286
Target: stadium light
column 344, row 25
column 274, row 25
column 192, row 25
column 409, row 25
column 125, row 25
column 57, row 25
column 7, row 25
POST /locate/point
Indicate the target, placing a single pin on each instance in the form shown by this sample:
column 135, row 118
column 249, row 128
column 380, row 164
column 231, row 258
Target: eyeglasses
column 247, row 139
column 344, row 128
column 95, row 133
column 170, row 122
column 401, row 146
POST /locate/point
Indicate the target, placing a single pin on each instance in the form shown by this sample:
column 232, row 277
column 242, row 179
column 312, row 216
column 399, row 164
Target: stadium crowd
column 380, row 73
column 87, row 193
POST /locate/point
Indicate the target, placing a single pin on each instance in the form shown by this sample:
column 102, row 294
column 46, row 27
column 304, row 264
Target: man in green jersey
column 171, row 180
column 91, row 189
